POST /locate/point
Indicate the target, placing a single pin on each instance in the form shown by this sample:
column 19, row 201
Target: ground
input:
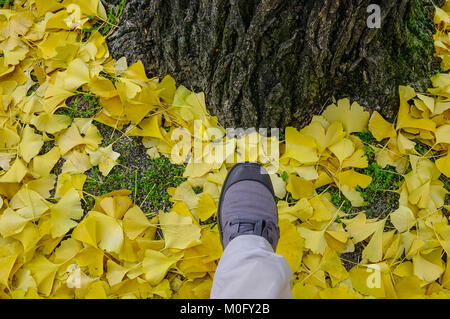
column 148, row 179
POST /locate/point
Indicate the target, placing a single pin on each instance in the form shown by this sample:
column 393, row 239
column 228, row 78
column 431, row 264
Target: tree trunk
column 272, row 63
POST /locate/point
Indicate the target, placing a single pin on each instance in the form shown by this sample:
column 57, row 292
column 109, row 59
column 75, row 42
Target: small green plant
column 114, row 14
column 339, row 200
column 198, row 189
column 105, row 27
column 5, row 2
column 82, row 105
column 366, row 137
column 383, row 180
column 148, row 184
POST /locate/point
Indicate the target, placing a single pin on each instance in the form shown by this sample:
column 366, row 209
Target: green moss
column 383, row 179
column 337, row 199
column 148, row 184
column 5, row 2
column 197, row 189
column 284, row 176
column 105, row 27
column 81, row 105
column 366, row 137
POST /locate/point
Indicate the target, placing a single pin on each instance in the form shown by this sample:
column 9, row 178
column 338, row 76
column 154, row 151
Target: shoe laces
column 253, row 227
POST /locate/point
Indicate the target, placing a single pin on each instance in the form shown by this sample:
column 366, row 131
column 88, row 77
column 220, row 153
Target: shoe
column 247, row 205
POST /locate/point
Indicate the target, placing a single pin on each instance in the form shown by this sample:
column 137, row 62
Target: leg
column 250, row 269
column 248, row 224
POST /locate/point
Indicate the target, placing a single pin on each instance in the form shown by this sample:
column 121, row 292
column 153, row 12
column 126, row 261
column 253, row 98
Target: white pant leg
column 249, row 269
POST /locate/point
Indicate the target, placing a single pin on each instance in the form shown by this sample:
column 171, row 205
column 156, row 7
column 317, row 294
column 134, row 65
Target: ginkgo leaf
column 109, row 232
column 443, row 134
column 206, row 207
column 51, row 123
column 443, row 164
column 428, row 267
column 44, row 272
column 403, row 218
column 300, row 147
column 179, row 232
column 116, row 206
column 353, row 179
column 334, row 133
column 6, row 265
column 374, row 249
column 156, row 265
column 135, row 222
column 69, row 139
column 343, row 149
column 290, row 245
column 11, row 222
column 30, row 144
column 299, row 187
column 16, row 172
column 380, row 128
column 65, row 213
column 314, row 240
column 353, row 118
column 105, row 158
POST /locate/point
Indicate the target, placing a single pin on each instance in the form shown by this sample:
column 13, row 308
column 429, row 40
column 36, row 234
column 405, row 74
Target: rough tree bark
column 272, row 63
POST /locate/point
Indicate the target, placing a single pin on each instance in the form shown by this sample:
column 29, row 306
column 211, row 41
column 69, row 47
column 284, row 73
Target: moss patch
column 148, row 179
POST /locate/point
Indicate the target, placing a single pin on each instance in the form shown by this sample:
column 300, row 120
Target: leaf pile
column 49, row 248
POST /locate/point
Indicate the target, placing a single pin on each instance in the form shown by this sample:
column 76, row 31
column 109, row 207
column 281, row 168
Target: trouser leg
column 249, row 269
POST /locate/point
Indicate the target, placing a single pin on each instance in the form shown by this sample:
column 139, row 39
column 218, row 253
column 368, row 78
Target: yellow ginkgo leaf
column 109, row 232
column 358, row 159
column 76, row 75
column 6, row 265
column 374, row 249
column 105, row 158
column 314, row 239
column 102, row 87
column 44, row 272
column 54, row 98
column 179, row 232
column 290, row 245
column 299, row 187
column 69, row 139
column 331, row 263
column 443, row 165
column 334, row 133
column 156, row 265
column 43, row 164
column 403, row 218
column 86, row 232
column 428, row 267
column 343, row 149
column 51, row 123
column 30, row 144
column 11, row 222
column 353, row 179
column 65, row 213
column 135, row 222
column 300, row 147
column 443, row 134
column 353, row 118
column 16, row 172
column 149, row 127
column 380, row 128
column 206, row 206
